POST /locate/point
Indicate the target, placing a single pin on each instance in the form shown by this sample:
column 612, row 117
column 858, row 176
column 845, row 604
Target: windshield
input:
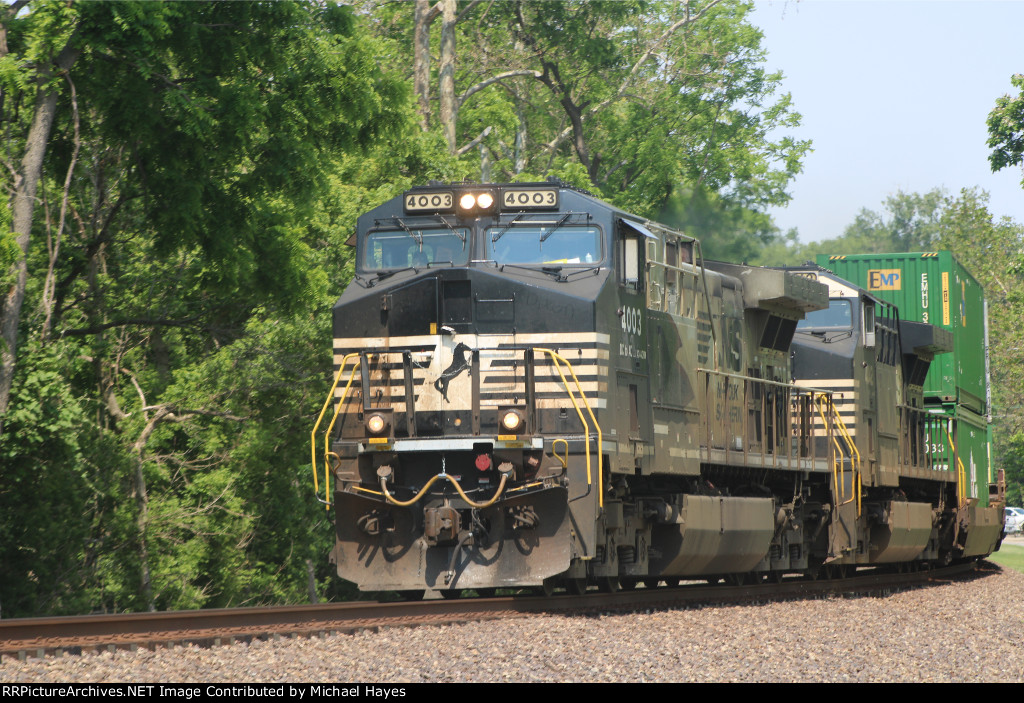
column 836, row 317
column 544, row 244
column 398, row 249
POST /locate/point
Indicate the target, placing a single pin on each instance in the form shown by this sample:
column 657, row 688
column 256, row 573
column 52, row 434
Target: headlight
column 376, row 424
column 512, row 421
column 480, row 203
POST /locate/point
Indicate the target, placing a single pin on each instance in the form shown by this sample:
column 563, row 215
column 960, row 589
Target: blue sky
column 894, row 95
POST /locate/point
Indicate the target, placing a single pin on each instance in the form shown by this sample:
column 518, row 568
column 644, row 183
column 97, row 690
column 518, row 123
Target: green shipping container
column 970, row 445
column 931, row 287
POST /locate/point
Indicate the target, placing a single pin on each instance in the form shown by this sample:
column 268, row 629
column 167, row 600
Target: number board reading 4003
column 429, row 202
column 535, row 198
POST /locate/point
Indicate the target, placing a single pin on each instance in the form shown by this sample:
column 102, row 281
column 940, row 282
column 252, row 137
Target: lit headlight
column 376, row 424
column 476, row 203
column 512, row 420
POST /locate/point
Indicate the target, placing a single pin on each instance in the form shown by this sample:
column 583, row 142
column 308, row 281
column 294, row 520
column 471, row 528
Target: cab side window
column 630, row 255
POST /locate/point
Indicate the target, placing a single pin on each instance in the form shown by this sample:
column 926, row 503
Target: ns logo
column 885, row 279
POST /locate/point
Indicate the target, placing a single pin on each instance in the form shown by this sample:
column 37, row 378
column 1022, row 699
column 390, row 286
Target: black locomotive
column 535, row 388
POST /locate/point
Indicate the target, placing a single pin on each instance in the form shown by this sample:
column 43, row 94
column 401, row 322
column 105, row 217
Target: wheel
column 451, row 593
column 608, row 584
column 775, row 576
column 546, row 589
column 712, row 580
column 576, row 587
column 737, row 579
column 651, row 583
column 834, row 571
column 627, row 584
column 671, row 582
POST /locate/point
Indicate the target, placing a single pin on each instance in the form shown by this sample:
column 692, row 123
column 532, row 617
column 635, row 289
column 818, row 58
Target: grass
column 1010, row 556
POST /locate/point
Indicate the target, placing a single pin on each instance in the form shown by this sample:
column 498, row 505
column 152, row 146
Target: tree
column 174, row 297
column 51, row 53
column 646, row 97
column 993, row 250
column 1006, row 129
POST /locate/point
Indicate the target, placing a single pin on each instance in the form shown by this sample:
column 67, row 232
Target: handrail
column 851, row 446
column 765, row 381
column 707, row 300
column 796, row 392
column 961, row 472
column 557, row 359
column 323, row 411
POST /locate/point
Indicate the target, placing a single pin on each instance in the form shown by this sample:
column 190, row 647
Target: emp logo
column 884, row 279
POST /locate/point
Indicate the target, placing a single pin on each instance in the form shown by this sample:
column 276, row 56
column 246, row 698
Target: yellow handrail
column 330, row 395
column 961, row 472
column 821, row 399
column 558, row 359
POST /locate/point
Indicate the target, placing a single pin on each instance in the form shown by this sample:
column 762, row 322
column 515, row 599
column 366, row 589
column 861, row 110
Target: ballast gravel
column 968, row 630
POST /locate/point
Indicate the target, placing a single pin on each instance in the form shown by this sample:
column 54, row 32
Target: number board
column 532, row 199
column 429, row 201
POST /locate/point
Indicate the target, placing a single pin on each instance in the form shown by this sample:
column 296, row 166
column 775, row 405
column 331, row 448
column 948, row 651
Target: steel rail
column 24, row 637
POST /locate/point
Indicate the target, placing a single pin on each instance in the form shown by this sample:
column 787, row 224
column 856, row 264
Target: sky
column 894, row 96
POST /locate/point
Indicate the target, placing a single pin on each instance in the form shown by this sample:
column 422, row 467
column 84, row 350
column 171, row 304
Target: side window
column 869, row 323
column 672, row 297
column 655, row 277
column 629, row 259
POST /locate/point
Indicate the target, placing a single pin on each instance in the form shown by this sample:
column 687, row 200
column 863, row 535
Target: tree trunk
column 449, row 108
column 421, row 60
column 519, row 152
column 23, row 203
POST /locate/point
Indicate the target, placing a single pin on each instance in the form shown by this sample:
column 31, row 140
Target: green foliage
column 1006, row 129
column 993, row 250
column 10, row 252
column 727, row 231
column 176, row 341
column 53, row 484
column 232, row 517
column 631, row 94
column 1010, row 450
column 256, row 95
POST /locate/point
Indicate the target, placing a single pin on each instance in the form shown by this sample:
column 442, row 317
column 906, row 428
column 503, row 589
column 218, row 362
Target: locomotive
column 535, row 388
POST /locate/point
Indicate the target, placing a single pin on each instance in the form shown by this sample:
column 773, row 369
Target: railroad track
column 39, row 637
